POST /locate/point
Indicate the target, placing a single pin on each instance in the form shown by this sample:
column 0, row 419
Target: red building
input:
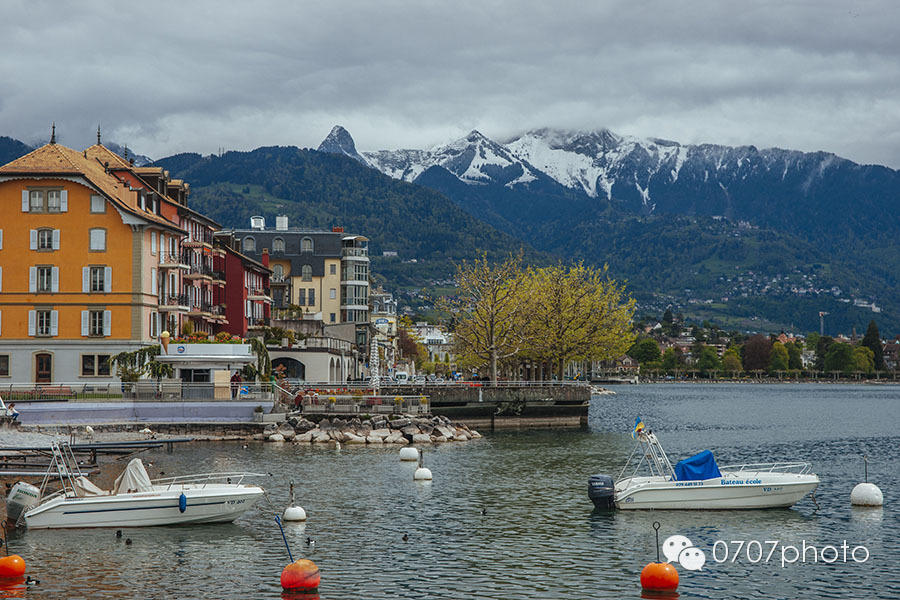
column 246, row 296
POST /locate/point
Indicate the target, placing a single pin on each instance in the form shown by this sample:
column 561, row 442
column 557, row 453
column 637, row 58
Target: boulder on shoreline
column 377, row 430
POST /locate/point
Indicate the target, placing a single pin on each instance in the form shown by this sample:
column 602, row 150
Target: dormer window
column 278, row 245
column 249, row 244
column 306, row 245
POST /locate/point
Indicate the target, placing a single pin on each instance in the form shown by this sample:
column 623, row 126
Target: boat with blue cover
column 698, row 482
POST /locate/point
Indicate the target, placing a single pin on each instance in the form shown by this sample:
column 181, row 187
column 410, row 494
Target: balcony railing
column 173, row 259
column 355, row 252
column 196, row 271
column 174, row 302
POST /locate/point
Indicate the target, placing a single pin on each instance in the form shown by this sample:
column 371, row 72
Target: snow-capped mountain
column 474, row 159
column 339, row 141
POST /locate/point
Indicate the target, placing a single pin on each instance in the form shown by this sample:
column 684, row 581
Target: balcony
column 174, row 303
column 259, row 294
column 199, row 272
column 257, row 322
column 218, row 277
column 173, row 260
column 355, row 253
column 203, row 240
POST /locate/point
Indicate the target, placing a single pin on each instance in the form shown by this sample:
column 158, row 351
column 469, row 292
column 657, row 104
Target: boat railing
column 218, row 477
column 798, row 468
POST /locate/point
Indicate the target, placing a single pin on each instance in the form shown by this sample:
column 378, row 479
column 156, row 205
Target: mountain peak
column 339, row 141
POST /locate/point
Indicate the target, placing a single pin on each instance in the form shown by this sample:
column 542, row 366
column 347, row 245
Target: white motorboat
column 698, row 483
column 134, row 501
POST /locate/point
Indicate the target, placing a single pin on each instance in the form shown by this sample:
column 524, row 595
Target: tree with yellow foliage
column 576, row 313
column 489, row 311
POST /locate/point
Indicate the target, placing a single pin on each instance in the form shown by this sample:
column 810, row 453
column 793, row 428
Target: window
column 45, row 279
column 278, row 272
column 44, row 200
column 312, row 296
column 98, row 240
column 94, row 365
column 154, row 324
column 301, row 297
column 332, row 317
column 96, row 323
column 332, row 293
column 278, row 245
column 98, row 283
column 153, row 242
column 4, row 365
column 45, row 239
column 306, row 245
column 249, row 244
column 44, row 322
column 306, row 272
column 332, row 269
column 98, row 204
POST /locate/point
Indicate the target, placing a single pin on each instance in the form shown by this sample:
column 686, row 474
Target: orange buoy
column 659, row 577
column 12, row 566
column 300, row 575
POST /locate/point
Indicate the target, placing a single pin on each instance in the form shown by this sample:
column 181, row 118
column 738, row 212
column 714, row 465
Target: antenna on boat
column 656, row 528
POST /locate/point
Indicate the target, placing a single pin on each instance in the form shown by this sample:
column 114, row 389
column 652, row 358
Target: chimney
column 257, row 223
column 265, row 257
column 281, row 223
column 337, row 229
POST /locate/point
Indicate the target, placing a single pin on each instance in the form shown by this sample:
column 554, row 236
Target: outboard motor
column 21, row 497
column 602, row 491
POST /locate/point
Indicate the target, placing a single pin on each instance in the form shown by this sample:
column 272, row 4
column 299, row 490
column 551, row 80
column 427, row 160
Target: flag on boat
column 638, row 426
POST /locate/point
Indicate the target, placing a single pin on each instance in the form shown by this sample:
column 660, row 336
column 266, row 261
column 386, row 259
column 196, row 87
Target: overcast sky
column 198, row 76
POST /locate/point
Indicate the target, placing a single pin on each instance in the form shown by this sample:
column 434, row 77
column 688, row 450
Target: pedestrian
column 236, row 381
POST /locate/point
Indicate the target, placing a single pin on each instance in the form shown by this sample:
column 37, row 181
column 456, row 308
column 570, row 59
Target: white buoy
column 294, row 512
column 409, row 453
column 422, row 474
column 866, row 494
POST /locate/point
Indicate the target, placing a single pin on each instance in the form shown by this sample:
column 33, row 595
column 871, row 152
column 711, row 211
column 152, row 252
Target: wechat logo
column 679, row 550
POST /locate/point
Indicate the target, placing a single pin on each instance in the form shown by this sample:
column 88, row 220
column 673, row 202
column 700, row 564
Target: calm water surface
column 540, row 537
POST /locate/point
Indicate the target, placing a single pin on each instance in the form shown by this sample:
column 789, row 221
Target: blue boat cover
column 699, row 466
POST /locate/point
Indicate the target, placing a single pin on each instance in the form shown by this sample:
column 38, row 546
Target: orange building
column 83, row 242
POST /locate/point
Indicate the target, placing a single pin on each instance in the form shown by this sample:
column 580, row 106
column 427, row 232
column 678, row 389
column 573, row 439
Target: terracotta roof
column 56, row 159
column 104, row 154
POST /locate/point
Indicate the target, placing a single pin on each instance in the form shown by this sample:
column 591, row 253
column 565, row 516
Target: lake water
column 540, row 537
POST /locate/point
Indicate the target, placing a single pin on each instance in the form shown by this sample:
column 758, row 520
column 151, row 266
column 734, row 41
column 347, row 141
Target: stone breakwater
column 376, row 430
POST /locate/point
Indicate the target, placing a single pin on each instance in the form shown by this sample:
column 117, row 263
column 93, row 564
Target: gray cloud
column 172, row 77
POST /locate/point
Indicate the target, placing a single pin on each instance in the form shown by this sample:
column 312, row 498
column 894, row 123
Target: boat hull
column 743, row 491
column 203, row 504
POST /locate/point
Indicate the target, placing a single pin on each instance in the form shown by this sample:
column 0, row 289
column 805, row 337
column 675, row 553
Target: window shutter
column 107, row 322
column 85, row 323
column 1, row 279
column 1, row 323
column 32, row 279
column 107, row 279
column 54, row 279
column 64, row 201
column 54, row 322
column 153, row 242
column 154, row 283
column 33, row 239
column 24, row 200
column 85, row 280
column 56, row 239
column 32, row 320
column 1, row 239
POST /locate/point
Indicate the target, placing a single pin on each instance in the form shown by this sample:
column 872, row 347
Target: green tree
column 645, row 350
column 823, row 344
column 731, row 361
column 672, row 359
column 708, row 360
column 795, row 356
column 132, row 365
column 839, row 357
column 872, row 341
column 778, row 358
column 863, row 360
